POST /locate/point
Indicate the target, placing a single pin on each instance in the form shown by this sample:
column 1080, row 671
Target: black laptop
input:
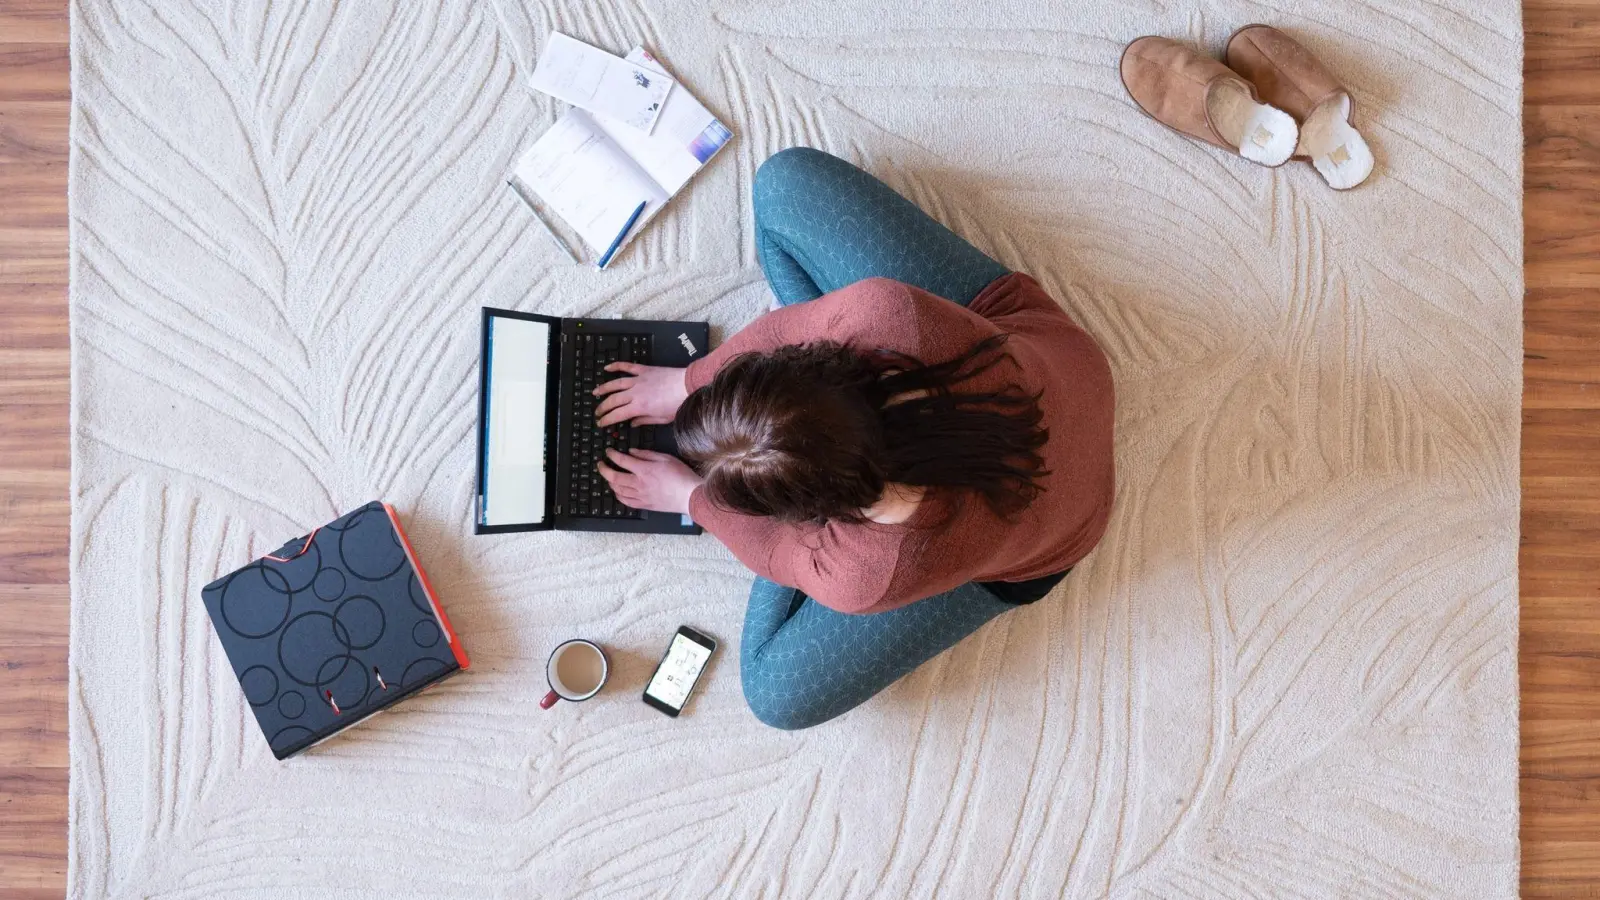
column 537, row 439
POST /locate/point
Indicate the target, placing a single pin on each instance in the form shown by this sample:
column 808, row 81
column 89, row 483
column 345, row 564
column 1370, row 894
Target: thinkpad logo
column 687, row 344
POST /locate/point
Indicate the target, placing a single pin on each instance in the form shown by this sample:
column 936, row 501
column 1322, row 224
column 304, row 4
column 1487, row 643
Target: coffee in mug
column 576, row 671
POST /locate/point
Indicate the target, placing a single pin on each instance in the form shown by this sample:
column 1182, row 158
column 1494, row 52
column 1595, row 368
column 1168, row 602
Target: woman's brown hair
column 815, row 432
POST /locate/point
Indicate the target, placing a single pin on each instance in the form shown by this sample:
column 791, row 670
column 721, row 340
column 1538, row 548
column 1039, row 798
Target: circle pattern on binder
column 358, row 622
column 252, row 603
column 329, row 584
column 368, row 546
column 260, row 685
column 342, row 606
column 425, row 633
column 291, row 704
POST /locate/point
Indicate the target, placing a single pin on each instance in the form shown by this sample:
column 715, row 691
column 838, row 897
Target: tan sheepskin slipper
column 1195, row 95
column 1286, row 75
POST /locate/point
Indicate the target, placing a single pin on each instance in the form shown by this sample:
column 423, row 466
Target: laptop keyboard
column 587, row 493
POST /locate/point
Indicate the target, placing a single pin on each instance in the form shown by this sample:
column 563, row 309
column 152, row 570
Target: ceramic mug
column 577, row 670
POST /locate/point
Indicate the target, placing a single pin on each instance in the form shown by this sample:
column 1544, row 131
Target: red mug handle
column 549, row 700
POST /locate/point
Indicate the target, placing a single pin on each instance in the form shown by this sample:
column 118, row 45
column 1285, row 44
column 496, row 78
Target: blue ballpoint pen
column 639, row 211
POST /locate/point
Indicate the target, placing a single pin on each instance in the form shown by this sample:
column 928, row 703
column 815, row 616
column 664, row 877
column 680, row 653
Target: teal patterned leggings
column 821, row 224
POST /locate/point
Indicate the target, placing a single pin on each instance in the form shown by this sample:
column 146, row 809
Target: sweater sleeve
column 811, row 559
column 877, row 313
column 1018, row 305
column 789, row 325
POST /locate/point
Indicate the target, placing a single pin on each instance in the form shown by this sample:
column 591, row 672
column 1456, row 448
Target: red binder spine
column 433, row 599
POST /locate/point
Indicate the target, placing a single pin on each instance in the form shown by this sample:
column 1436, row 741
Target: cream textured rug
column 1289, row 670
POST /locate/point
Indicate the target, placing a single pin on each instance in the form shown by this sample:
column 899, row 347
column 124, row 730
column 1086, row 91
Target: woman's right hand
column 647, row 395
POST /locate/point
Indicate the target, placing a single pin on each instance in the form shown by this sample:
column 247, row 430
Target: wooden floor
column 1560, row 452
column 34, row 99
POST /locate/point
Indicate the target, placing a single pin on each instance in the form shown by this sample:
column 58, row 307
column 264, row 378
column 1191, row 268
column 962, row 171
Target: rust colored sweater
column 866, row 568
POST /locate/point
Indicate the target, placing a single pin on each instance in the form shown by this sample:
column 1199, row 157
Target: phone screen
column 676, row 675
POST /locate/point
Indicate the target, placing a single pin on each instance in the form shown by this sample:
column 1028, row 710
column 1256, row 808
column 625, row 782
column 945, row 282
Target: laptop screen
column 518, row 366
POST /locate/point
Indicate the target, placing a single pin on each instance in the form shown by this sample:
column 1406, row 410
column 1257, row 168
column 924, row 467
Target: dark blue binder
column 334, row 626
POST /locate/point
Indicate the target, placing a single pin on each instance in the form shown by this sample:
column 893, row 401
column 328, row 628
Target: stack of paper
column 633, row 140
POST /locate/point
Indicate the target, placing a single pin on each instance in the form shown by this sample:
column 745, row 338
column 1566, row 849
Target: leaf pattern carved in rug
column 1289, row 670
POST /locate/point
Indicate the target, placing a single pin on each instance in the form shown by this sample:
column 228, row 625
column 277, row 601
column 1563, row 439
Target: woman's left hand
column 645, row 479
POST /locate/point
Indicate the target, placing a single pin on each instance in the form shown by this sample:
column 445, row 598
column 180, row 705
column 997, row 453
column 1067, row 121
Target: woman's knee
column 797, row 169
column 780, row 709
column 787, row 166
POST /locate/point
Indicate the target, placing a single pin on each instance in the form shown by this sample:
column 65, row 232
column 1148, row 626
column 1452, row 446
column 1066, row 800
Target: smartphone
column 680, row 668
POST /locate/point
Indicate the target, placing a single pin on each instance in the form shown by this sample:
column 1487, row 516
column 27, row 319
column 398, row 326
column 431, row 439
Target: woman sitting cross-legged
column 917, row 441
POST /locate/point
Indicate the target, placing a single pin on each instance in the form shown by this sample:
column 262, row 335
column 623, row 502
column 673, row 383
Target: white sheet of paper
column 588, row 180
column 685, row 137
column 592, row 79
